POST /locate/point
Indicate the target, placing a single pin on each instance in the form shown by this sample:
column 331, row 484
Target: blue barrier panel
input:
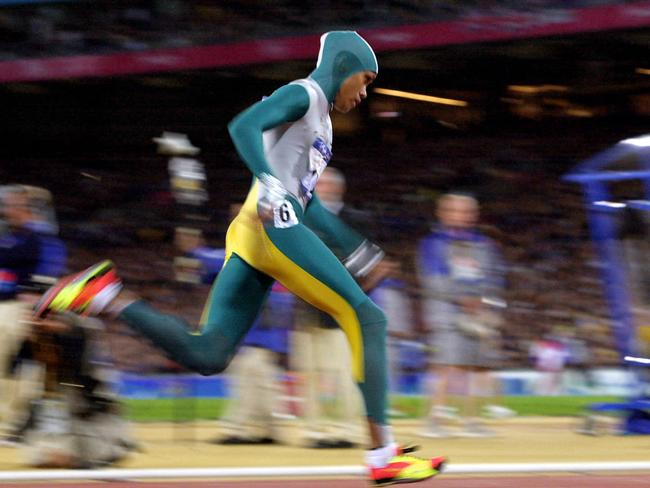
column 514, row 386
column 171, row 386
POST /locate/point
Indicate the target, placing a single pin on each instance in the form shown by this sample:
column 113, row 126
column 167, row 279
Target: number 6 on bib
column 284, row 216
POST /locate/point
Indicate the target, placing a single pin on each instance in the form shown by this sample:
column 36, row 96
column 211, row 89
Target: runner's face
column 353, row 90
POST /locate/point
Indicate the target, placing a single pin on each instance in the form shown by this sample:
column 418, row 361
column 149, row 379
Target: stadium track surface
column 520, row 440
column 541, row 481
column 534, row 440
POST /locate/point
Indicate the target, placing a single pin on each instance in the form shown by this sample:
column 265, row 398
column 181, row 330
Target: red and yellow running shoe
column 406, row 468
column 87, row 292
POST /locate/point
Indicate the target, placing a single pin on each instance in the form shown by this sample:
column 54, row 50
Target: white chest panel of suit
column 299, row 151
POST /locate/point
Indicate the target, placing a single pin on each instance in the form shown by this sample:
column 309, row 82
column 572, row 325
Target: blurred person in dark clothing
column 19, row 257
column 31, row 254
column 19, row 245
column 76, row 421
column 53, row 251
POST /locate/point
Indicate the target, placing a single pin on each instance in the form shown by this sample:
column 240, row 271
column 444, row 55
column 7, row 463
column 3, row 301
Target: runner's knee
column 212, row 366
column 211, row 355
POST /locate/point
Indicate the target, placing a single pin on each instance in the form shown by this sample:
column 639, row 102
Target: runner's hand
column 272, row 195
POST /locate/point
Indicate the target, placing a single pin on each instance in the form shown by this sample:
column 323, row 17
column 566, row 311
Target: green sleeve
column 356, row 252
column 287, row 104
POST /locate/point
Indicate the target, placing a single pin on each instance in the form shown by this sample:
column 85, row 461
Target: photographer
column 76, row 422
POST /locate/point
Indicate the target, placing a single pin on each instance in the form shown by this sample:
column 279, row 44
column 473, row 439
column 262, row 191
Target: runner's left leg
column 235, row 299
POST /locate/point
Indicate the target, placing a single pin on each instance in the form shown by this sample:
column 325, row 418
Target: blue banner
column 171, row 386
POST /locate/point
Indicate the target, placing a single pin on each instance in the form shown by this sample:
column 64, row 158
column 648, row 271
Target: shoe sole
column 403, row 480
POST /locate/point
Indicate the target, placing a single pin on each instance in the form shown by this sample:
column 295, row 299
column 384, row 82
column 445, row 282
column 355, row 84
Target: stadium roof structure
column 629, row 159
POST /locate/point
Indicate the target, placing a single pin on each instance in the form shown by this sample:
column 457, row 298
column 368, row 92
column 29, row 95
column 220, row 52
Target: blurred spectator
column 550, row 356
column 320, row 352
column 460, row 275
column 19, row 258
column 198, row 262
column 321, row 356
column 76, row 422
column 53, row 251
column 19, row 244
column 580, row 359
column 405, row 350
column 43, row 219
column 255, row 372
column 256, row 408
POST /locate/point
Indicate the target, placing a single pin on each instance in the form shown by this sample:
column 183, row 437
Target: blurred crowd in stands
column 538, row 222
column 105, row 26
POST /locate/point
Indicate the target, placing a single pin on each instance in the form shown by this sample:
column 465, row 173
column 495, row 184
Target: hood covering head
column 342, row 54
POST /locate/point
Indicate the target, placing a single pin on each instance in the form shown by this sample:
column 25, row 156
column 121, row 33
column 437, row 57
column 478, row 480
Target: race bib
column 284, row 216
column 319, row 156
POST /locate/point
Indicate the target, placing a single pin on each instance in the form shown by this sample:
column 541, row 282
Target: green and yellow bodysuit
column 286, row 142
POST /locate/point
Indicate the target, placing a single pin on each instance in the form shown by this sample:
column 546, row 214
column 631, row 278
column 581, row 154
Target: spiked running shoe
column 85, row 293
column 406, row 468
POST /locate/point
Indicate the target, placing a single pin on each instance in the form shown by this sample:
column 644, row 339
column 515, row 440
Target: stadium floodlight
column 633, row 359
column 420, row 97
column 641, row 141
column 605, row 203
